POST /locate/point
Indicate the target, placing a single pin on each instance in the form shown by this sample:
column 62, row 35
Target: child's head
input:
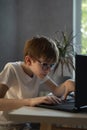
column 41, row 47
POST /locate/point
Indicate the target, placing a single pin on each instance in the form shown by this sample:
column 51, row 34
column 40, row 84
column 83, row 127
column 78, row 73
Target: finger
column 54, row 99
column 64, row 96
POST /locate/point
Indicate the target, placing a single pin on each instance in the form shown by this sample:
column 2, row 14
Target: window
column 84, row 26
column 77, row 24
column 80, row 25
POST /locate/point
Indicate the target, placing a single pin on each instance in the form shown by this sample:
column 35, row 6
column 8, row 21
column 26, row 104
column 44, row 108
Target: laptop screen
column 81, row 81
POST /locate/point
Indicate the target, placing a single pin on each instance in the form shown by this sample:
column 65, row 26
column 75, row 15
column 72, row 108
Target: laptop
column 76, row 101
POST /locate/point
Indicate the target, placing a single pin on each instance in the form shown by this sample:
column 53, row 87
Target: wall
column 22, row 19
column 8, row 31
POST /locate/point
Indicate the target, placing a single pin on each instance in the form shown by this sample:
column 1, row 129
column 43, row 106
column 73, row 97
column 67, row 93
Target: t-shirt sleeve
column 7, row 75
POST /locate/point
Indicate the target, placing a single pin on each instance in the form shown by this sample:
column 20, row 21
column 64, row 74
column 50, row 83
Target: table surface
column 36, row 114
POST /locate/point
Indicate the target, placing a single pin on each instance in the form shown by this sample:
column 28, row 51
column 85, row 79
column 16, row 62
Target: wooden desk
column 47, row 117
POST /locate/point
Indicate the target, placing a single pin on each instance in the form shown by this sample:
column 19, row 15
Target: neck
column 27, row 70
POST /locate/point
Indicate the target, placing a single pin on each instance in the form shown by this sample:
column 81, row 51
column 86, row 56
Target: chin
column 42, row 76
column 39, row 76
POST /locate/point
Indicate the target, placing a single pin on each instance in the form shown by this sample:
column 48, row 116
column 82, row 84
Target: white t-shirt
column 20, row 84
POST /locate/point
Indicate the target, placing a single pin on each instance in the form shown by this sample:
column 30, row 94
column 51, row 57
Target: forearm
column 63, row 89
column 55, row 88
column 9, row 104
column 60, row 90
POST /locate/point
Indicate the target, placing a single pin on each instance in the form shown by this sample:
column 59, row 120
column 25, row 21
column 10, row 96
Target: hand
column 69, row 86
column 45, row 99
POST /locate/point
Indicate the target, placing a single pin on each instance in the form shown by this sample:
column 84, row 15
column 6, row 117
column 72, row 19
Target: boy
column 20, row 81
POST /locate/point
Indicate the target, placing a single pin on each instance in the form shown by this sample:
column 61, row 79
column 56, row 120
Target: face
column 40, row 67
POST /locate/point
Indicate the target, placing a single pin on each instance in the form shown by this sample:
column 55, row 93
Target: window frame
column 77, row 24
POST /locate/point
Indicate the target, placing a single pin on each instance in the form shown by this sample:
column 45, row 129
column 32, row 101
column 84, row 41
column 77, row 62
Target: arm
column 3, row 89
column 62, row 90
column 10, row 104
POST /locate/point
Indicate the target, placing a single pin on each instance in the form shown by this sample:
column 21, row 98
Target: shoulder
column 13, row 64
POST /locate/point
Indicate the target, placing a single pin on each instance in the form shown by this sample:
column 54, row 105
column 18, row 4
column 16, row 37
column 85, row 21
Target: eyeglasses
column 44, row 65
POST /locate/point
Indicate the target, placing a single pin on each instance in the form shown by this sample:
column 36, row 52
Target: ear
column 28, row 60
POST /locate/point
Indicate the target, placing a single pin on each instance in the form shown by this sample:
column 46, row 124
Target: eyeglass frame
column 44, row 65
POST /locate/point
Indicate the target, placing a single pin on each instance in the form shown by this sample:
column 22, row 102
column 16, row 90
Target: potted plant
column 64, row 41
